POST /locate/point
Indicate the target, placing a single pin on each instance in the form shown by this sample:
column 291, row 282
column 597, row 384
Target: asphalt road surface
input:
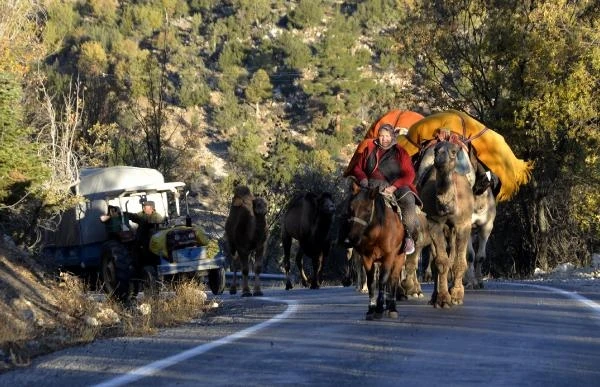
column 504, row 335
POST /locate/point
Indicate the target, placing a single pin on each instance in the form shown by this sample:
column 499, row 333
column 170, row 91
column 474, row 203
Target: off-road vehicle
column 125, row 262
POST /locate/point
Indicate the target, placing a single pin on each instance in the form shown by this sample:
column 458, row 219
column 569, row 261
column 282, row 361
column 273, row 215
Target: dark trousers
column 407, row 203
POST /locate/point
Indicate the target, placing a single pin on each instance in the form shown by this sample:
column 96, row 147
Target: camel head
column 259, row 207
column 326, row 203
column 446, row 156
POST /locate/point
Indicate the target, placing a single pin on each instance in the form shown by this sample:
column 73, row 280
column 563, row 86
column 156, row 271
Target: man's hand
column 104, row 218
column 389, row 190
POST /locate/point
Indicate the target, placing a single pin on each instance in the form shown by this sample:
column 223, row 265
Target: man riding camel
column 387, row 165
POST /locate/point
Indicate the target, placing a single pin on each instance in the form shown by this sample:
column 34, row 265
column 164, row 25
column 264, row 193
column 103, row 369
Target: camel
column 448, row 202
column 246, row 232
column 307, row 219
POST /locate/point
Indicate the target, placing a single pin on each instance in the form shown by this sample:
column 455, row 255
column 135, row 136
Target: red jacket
column 403, row 178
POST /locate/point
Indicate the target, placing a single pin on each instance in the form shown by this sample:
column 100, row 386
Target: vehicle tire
column 216, row 280
column 150, row 283
column 117, row 271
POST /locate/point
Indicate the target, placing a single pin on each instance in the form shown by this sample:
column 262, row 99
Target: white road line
column 595, row 307
column 159, row 365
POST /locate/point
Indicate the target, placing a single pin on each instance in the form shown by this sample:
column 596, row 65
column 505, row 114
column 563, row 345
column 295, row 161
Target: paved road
column 504, row 335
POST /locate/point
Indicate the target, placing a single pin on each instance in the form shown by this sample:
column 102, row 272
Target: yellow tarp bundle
column 158, row 242
column 492, row 149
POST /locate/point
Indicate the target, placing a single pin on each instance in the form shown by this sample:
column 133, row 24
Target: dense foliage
column 288, row 87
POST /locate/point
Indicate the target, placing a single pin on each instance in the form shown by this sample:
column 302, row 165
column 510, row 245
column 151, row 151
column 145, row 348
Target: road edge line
column 594, row 306
column 154, row 367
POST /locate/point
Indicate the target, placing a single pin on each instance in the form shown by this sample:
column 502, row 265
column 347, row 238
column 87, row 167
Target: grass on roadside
column 64, row 313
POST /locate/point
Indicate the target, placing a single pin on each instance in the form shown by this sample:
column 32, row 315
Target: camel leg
column 462, row 236
column 410, row 286
column 303, row 277
column 470, row 279
column 442, row 267
column 482, row 239
column 317, row 263
column 245, row 271
column 287, row 246
column 426, row 260
column 348, row 269
column 234, row 268
column 258, row 258
column 361, row 274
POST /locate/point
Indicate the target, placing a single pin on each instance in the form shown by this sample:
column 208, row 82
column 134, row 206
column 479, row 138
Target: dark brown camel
column 246, row 232
column 448, row 202
column 307, row 219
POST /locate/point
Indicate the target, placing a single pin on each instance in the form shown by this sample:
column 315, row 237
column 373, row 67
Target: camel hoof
column 315, row 286
column 378, row 315
column 442, row 305
column 393, row 314
column 232, row 290
column 288, row 285
column 305, row 283
column 246, row 293
column 257, row 293
column 346, row 282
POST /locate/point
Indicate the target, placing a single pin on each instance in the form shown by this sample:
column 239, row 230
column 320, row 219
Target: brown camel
column 448, row 202
column 246, row 232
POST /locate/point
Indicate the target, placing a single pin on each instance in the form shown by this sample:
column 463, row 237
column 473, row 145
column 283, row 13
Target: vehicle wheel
column 216, row 280
column 117, row 271
column 150, row 284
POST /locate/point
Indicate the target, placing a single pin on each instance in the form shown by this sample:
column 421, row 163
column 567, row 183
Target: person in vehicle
column 386, row 165
column 113, row 221
column 148, row 221
column 148, row 214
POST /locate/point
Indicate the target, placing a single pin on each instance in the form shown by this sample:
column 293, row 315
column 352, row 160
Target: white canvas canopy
column 97, row 181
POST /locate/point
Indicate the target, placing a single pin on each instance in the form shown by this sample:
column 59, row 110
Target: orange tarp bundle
column 492, row 149
column 396, row 118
